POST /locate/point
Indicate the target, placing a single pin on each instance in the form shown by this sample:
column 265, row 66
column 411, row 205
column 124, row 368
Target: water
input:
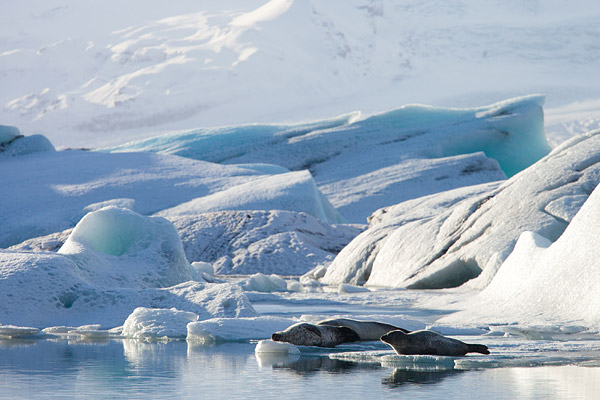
column 119, row 369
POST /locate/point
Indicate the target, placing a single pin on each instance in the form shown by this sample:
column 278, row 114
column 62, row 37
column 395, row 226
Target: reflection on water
column 401, row 377
column 126, row 369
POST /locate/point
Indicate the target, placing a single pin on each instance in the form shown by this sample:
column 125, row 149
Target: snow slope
column 446, row 239
column 91, row 74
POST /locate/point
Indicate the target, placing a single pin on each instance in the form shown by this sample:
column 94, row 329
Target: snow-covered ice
column 153, row 324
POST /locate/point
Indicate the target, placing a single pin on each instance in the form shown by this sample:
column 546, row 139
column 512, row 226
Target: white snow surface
column 89, row 75
column 446, row 239
column 543, row 283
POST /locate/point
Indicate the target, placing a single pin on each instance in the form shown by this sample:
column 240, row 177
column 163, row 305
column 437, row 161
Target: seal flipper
column 477, row 348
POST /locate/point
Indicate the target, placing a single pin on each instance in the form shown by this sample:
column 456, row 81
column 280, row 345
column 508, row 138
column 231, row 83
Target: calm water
column 61, row 369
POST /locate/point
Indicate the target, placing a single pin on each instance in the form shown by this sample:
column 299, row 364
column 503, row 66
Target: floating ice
column 154, row 323
column 264, row 283
column 17, row 331
column 236, row 329
column 346, row 288
column 269, row 346
column 449, row 238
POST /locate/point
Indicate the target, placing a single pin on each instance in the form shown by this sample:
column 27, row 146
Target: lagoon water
column 119, row 369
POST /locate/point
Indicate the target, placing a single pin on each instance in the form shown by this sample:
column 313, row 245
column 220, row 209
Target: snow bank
column 543, row 283
column 402, row 154
column 292, row 191
column 154, row 323
column 447, row 239
column 271, row 242
column 236, row 329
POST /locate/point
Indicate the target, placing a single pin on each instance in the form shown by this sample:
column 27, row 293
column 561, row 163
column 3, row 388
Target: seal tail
column 478, row 348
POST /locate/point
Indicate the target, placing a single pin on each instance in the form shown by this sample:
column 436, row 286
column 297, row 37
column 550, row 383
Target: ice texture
column 273, row 241
column 447, row 239
column 49, row 192
column 153, row 323
column 398, row 155
column 292, row 191
column 237, row 329
column 24, row 145
column 115, row 247
column 545, row 283
column 114, row 261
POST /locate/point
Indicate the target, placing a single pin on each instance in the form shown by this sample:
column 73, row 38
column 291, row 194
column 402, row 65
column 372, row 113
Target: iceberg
column 113, row 262
column 153, row 323
column 363, row 165
column 447, row 239
column 49, row 192
column 271, row 242
column 236, row 329
column 544, row 283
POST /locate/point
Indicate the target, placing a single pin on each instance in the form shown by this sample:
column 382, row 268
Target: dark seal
column 430, row 343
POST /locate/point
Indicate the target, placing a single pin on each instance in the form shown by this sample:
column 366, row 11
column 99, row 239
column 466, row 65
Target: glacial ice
column 271, row 242
column 114, row 261
column 8, row 134
column 447, row 239
column 236, row 329
column 105, row 242
column 367, row 164
column 153, row 324
column 292, row 191
column 543, row 283
column 51, row 191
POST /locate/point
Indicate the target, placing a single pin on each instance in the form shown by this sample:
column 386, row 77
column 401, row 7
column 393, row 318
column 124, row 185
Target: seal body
column 366, row 330
column 305, row 334
column 430, row 343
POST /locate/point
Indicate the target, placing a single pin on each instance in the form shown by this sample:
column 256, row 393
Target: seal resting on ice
column 429, row 343
column 305, row 334
column 331, row 332
column 366, row 330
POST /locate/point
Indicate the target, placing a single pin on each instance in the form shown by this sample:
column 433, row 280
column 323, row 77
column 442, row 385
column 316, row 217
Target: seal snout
column 276, row 337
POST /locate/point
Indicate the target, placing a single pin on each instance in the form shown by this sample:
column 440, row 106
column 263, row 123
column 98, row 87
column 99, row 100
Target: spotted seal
column 366, row 330
column 430, row 343
column 305, row 334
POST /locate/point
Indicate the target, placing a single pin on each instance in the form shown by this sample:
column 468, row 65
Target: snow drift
column 446, row 239
column 398, row 155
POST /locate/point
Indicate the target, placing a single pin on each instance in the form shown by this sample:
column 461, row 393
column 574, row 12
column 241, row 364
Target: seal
column 430, row 343
column 305, row 334
column 366, row 330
